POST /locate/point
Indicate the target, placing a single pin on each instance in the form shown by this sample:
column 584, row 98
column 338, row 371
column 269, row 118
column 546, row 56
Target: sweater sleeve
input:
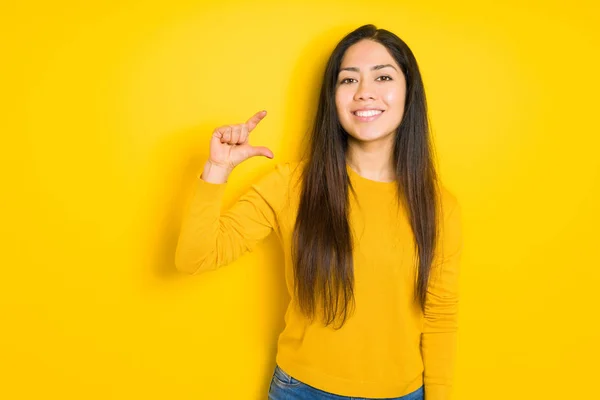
column 439, row 336
column 209, row 238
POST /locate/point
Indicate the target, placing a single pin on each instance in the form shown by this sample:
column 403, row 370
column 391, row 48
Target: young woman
column 371, row 238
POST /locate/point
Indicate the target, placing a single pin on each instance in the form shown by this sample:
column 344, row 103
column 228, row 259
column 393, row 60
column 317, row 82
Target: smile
column 367, row 115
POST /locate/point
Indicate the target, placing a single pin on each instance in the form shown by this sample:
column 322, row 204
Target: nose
column 364, row 91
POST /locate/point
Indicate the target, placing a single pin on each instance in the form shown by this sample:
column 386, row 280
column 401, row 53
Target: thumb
column 260, row 151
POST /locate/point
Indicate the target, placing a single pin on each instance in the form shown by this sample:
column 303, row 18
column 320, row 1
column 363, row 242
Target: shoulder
column 284, row 174
column 285, row 169
column 450, row 217
column 280, row 182
column 449, row 210
column 448, row 200
column 291, row 168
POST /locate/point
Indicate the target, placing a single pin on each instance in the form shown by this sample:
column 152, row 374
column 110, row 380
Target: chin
column 367, row 136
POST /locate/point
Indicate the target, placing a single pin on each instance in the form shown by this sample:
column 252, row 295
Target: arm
column 210, row 239
column 438, row 340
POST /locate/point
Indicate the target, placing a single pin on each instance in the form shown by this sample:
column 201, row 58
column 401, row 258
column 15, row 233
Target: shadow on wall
column 181, row 157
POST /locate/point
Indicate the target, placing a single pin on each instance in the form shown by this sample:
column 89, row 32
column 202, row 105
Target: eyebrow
column 376, row 67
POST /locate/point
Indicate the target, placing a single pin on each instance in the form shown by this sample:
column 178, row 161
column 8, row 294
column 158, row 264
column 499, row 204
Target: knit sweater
column 388, row 347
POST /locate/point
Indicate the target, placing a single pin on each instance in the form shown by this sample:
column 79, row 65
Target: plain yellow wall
column 106, row 113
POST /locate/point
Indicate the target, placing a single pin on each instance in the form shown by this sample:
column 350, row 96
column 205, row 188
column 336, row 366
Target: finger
column 255, row 119
column 260, row 151
column 219, row 132
column 236, row 131
column 226, row 135
column 243, row 134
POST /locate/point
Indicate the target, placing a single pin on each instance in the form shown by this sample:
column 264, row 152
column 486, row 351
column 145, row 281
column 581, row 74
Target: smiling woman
column 372, row 240
column 370, row 95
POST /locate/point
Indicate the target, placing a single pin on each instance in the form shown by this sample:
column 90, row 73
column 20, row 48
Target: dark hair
column 323, row 264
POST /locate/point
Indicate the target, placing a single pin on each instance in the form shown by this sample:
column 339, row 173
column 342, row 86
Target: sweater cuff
column 210, row 189
column 437, row 392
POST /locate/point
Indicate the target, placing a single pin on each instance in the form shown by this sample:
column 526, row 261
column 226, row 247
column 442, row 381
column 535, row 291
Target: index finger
column 255, row 119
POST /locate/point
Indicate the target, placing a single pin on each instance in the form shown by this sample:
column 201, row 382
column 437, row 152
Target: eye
column 385, row 78
column 347, row 80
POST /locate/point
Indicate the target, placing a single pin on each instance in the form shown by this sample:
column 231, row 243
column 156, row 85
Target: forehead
column 367, row 53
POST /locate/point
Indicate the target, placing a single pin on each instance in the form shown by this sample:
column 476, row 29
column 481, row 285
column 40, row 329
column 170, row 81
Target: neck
column 372, row 160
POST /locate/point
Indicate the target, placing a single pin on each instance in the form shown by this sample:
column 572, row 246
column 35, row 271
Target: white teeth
column 369, row 113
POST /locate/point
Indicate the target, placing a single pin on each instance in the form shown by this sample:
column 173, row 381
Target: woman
column 371, row 239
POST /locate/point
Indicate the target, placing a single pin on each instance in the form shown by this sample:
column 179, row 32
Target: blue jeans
column 285, row 387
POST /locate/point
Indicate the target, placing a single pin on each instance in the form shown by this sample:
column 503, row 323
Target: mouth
column 367, row 115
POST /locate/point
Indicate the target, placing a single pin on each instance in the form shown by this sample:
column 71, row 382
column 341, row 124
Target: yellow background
column 107, row 109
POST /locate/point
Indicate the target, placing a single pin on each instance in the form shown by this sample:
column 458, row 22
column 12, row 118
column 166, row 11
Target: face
column 370, row 92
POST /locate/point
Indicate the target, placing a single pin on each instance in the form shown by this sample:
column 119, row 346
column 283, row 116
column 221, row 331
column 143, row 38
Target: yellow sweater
column 388, row 347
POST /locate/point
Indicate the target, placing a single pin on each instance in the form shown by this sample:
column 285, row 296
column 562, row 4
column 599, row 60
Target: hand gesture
column 229, row 144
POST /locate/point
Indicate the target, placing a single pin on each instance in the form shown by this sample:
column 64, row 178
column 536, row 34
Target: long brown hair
column 322, row 240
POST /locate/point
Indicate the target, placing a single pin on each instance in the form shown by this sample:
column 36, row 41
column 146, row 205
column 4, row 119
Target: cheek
column 394, row 98
column 398, row 95
column 395, row 101
column 341, row 102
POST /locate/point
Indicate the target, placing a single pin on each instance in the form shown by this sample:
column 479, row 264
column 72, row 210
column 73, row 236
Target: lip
column 367, row 119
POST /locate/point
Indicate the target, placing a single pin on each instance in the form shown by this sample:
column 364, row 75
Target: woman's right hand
column 229, row 144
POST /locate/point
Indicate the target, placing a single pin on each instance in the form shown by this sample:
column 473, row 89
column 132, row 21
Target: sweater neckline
column 366, row 181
